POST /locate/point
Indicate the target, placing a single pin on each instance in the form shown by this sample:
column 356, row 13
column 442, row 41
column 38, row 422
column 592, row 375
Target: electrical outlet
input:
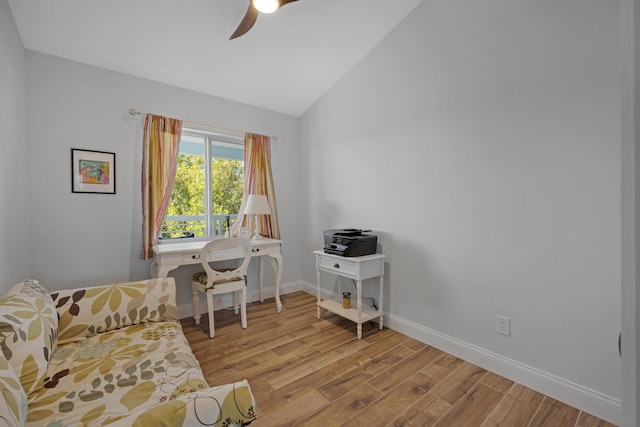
column 503, row 325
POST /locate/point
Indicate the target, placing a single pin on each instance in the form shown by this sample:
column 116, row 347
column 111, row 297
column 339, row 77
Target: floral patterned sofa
column 108, row 355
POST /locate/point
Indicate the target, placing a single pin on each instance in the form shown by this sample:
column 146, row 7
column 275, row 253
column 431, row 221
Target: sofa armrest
column 88, row 311
column 226, row 405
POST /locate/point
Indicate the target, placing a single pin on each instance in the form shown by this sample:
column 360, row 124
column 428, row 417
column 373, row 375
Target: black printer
column 349, row 242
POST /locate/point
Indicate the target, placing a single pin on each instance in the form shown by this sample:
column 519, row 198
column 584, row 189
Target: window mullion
column 207, row 188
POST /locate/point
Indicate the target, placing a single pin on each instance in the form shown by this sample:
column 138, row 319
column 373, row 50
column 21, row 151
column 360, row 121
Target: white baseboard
column 580, row 397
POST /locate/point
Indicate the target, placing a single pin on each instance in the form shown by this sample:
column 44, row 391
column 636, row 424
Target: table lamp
column 257, row 205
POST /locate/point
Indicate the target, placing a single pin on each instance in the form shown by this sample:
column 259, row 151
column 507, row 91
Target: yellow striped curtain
column 160, row 142
column 258, row 179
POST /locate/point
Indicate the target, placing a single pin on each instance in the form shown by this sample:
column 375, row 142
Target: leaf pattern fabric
column 122, row 360
column 98, row 309
column 28, row 332
column 13, row 400
column 124, row 371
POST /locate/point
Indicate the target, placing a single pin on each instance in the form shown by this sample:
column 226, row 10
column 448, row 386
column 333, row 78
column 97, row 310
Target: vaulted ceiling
column 285, row 63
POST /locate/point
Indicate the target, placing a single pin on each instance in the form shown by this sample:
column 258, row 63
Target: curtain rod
column 134, row 112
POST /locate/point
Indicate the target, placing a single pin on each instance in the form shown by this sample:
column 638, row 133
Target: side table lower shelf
column 349, row 313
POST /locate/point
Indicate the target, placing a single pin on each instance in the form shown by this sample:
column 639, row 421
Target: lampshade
column 257, row 205
column 266, row 6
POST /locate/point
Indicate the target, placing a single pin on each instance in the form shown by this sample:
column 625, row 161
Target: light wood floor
column 309, row 372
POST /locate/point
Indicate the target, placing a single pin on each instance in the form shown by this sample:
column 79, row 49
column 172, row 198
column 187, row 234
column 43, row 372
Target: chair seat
column 201, row 277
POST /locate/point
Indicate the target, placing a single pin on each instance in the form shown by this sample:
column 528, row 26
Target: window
column 207, row 190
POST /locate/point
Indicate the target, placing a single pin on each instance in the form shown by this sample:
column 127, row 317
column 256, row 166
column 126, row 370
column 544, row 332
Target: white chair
column 221, row 281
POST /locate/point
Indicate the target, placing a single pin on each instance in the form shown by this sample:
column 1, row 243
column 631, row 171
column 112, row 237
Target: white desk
column 169, row 256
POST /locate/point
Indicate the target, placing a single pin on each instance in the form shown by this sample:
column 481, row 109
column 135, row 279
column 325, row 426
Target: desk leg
column 154, row 270
column 261, row 270
column 318, row 290
column 277, row 258
column 158, row 271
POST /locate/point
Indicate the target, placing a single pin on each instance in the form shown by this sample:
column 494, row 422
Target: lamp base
column 257, row 235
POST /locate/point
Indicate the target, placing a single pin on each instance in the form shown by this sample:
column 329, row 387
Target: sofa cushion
column 90, row 311
column 201, row 277
column 13, row 400
column 28, row 332
column 131, row 376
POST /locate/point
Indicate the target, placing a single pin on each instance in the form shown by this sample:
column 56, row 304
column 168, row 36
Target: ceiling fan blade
column 247, row 22
column 283, row 2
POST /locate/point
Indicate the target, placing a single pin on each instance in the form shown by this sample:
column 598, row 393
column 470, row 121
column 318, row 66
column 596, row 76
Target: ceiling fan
column 256, row 6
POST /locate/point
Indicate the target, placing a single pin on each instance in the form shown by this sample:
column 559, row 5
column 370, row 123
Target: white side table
column 358, row 269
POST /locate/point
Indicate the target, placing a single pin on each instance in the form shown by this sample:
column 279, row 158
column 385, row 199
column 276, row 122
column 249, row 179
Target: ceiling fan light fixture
column 266, row 6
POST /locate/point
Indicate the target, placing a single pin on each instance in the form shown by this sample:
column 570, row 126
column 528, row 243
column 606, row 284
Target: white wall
column 481, row 142
column 82, row 239
column 14, row 171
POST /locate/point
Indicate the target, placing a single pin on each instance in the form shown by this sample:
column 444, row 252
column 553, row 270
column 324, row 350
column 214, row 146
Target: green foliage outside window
column 227, row 180
column 187, row 197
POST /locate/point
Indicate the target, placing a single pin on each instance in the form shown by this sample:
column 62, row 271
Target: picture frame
column 245, row 233
column 93, row 171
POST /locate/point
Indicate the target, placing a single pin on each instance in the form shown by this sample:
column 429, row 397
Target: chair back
column 231, row 243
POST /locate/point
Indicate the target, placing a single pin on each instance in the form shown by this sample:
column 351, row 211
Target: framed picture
column 245, row 233
column 93, row 171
